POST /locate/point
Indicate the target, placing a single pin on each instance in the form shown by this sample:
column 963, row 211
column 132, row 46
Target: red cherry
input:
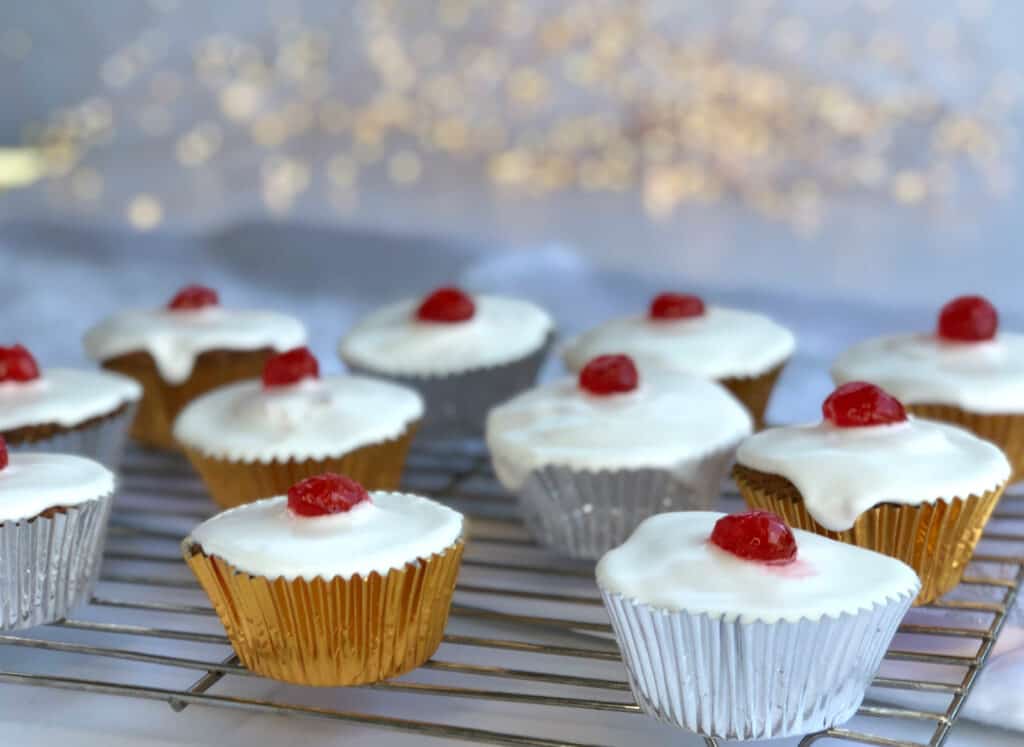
column 325, row 494
column 17, row 364
column 446, row 305
column 609, row 374
column 3, row 453
column 290, row 367
column 676, row 306
column 858, row 403
column 756, row 535
column 194, row 297
column 968, row 319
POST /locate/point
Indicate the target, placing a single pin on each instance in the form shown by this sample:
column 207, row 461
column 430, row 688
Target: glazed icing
column 32, row 483
column 313, row 419
column 985, row 377
column 391, row 340
column 843, row 472
column 176, row 338
column 719, row 344
column 64, row 396
column 392, row 529
column 668, row 421
column 669, row 563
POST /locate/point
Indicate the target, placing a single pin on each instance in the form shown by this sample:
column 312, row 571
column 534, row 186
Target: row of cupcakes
column 283, row 553
column 466, row 353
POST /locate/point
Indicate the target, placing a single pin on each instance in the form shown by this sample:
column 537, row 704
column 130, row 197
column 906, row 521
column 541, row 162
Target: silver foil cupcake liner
column 457, row 404
column 584, row 514
column 49, row 564
column 751, row 680
column 103, row 441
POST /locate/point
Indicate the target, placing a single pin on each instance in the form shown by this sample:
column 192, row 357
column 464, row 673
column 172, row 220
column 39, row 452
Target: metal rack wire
column 503, row 571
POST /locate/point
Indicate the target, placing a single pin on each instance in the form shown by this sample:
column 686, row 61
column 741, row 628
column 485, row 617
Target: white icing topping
column 986, row 377
column 843, row 472
column 670, row 563
column 313, row 419
column 719, row 344
column 176, row 338
column 32, row 483
column 265, row 539
column 667, row 422
column 64, row 396
column 391, row 340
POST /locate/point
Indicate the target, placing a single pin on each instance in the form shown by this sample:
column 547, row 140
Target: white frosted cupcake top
column 313, row 419
column 670, row 563
column 669, row 420
column 843, row 472
column 64, row 396
column 718, row 344
column 175, row 338
column 266, row 539
column 33, row 483
column 985, row 377
column 393, row 341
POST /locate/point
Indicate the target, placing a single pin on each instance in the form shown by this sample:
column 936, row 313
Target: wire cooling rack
column 556, row 663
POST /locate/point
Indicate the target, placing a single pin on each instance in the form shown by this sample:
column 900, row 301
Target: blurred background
column 862, row 148
column 840, row 160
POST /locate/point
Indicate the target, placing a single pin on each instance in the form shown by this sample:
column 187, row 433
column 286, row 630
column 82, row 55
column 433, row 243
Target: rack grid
column 560, row 656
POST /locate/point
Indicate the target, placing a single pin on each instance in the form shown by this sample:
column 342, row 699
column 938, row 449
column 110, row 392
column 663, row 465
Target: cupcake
column 868, row 474
column 53, row 519
column 254, row 439
column 331, row 585
column 463, row 353
column 967, row 372
column 62, row 410
column 181, row 351
column 591, row 457
column 736, row 627
column 743, row 351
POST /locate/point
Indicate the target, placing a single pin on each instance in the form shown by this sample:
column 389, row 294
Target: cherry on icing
column 17, row 364
column 756, row 535
column 676, row 306
column 609, row 374
column 3, row 453
column 194, row 297
column 290, row 367
column 324, row 494
column 968, row 319
column 859, row 403
column 446, row 305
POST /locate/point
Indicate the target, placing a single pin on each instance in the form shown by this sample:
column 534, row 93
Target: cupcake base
column 583, row 514
column 1004, row 430
column 332, row 633
column 49, row 563
column 936, row 539
column 754, row 391
column 102, row 438
column 457, row 404
column 231, row 483
column 162, row 401
column 751, row 680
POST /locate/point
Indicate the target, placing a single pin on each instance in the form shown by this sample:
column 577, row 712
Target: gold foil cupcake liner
column 1004, row 430
column 754, row 391
column 332, row 633
column 162, row 401
column 231, row 483
column 936, row 539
